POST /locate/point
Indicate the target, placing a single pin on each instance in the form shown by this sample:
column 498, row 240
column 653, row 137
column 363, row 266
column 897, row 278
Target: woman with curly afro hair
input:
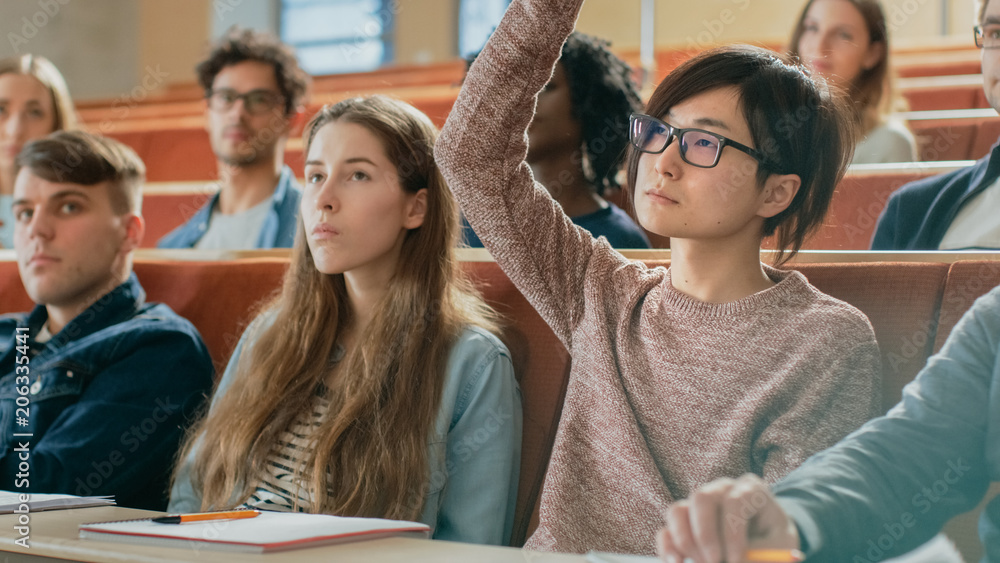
column 578, row 138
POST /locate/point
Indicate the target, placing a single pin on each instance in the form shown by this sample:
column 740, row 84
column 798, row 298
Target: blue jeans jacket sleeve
column 115, row 415
column 893, row 483
column 483, row 447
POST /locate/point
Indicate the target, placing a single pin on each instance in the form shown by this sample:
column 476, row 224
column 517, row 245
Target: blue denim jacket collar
column 116, row 306
column 278, row 230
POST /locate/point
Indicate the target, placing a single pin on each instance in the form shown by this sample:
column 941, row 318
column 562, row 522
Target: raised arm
column 482, row 151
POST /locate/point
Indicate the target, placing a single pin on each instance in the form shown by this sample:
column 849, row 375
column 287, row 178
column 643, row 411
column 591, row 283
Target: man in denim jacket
column 95, row 384
column 253, row 90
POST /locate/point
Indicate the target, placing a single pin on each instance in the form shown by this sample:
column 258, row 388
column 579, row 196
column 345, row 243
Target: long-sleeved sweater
column 666, row 392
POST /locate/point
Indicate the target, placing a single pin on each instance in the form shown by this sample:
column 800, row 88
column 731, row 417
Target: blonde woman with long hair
column 34, row 101
column 847, row 43
column 373, row 385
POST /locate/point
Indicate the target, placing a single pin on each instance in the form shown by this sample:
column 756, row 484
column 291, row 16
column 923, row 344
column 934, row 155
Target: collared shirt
column 277, row 231
column 976, row 225
column 918, row 215
column 107, row 397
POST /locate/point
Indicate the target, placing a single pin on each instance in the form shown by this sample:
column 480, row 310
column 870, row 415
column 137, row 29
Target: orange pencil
column 775, row 555
column 201, row 516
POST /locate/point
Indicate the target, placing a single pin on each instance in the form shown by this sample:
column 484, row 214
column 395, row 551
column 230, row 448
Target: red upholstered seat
column 902, row 300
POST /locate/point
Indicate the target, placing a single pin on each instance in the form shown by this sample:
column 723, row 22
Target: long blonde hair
column 872, row 95
column 369, row 456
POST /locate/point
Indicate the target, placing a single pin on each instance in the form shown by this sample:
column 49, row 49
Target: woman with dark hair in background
column 34, row 101
column 847, row 42
column 578, row 137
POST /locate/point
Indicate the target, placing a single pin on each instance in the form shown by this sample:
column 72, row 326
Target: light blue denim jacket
column 474, row 450
column 7, row 218
column 278, row 230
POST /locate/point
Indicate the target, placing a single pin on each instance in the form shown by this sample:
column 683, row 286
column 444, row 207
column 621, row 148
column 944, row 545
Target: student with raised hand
column 719, row 365
column 364, row 389
column 34, row 101
column 578, row 137
column 885, row 489
column 847, row 42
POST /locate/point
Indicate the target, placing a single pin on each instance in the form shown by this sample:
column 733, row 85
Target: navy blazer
column 918, row 215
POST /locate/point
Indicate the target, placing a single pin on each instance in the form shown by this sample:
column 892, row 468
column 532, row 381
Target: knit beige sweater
column 666, row 393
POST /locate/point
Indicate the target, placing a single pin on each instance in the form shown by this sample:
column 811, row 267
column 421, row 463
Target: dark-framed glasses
column 255, row 101
column 987, row 36
column 697, row 147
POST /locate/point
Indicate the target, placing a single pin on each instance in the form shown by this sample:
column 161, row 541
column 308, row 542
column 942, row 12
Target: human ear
column 416, row 210
column 874, row 55
column 779, row 192
column 135, row 228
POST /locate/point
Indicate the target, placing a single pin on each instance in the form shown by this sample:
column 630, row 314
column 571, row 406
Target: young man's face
column 71, row 246
column 245, row 133
column 991, row 57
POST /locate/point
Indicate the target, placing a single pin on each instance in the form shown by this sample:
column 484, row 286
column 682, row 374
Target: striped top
column 278, row 489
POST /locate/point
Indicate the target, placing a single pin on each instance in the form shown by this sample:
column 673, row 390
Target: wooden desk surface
column 54, row 535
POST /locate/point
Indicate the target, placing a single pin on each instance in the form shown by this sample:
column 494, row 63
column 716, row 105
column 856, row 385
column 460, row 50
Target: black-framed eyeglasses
column 987, row 36
column 255, row 101
column 697, row 147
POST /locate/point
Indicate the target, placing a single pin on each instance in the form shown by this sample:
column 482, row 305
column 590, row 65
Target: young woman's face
column 355, row 211
column 835, row 42
column 26, row 114
column 676, row 199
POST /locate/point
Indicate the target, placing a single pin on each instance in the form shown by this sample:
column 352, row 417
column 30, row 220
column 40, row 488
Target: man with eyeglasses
column 253, row 90
column 958, row 210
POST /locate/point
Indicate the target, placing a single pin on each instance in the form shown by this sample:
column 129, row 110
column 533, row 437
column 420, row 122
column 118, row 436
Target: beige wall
column 172, row 40
column 93, row 43
column 705, row 22
column 426, row 31
column 127, row 48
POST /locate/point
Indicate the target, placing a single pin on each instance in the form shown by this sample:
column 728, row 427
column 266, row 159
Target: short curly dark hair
column 239, row 45
column 603, row 93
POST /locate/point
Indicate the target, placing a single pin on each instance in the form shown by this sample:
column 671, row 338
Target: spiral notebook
column 271, row 531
